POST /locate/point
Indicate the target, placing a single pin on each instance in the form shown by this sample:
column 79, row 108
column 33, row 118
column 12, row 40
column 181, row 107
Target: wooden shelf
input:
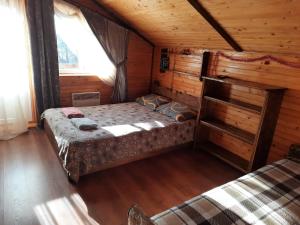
column 232, row 159
column 217, row 89
column 236, row 103
column 199, row 57
column 249, row 84
column 231, row 130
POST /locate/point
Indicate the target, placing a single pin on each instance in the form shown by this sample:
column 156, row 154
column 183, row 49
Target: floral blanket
column 125, row 131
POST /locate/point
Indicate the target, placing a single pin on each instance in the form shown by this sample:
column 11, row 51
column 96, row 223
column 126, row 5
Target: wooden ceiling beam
column 121, row 22
column 215, row 24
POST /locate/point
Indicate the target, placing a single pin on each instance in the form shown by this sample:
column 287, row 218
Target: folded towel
column 84, row 123
column 72, row 112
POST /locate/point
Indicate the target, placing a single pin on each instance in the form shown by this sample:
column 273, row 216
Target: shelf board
column 250, row 84
column 185, row 73
column 225, row 155
column 199, row 57
column 231, row 130
column 236, row 103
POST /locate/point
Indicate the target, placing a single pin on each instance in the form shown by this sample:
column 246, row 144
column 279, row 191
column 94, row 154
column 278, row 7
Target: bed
column 270, row 195
column 126, row 132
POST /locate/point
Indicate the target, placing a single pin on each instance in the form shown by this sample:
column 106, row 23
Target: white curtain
column 15, row 69
column 73, row 29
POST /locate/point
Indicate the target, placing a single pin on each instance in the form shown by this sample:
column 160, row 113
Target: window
column 66, row 58
column 79, row 51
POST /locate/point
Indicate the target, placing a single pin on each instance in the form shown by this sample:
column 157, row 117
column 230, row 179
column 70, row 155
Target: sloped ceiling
column 260, row 25
column 256, row 25
column 167, row 22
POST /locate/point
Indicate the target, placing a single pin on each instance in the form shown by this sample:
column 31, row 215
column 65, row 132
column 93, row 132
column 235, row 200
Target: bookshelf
column 215, row 90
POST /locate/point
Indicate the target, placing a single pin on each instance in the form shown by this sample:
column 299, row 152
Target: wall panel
column 138, row 67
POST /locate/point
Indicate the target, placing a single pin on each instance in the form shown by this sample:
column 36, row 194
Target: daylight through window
column 79, row 51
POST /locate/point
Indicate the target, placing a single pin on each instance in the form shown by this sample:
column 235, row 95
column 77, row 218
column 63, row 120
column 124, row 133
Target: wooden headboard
column 192, row 101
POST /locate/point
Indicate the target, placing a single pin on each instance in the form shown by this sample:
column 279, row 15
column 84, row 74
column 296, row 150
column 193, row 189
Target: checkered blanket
column 270, row 195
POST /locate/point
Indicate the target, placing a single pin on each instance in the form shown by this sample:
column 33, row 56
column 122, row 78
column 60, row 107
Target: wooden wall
column 139, row 66
column 138, row 69
column 267, row 70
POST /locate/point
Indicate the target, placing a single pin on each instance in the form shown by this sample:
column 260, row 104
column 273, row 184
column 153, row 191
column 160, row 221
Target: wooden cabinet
column 216, row 91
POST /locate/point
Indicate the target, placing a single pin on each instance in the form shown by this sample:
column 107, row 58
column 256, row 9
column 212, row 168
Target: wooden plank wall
column 266, row 71
column 182, row 75
column 77, row 84
column 138, row 69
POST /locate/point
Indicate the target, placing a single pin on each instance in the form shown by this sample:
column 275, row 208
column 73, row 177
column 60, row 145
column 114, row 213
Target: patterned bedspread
column 125, row 131
column 270, row 195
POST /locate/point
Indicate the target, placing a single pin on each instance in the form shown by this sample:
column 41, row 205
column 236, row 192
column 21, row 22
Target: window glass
column 79, row 51
column 66, row 58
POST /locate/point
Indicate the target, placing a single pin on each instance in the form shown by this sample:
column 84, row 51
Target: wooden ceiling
column 260, row 25
column 168, row 22
column 256, row 25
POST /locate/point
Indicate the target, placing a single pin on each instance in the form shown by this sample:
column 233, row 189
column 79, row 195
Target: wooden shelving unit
column 213, row 92
column 231, row 130
column 227, row 156
column 235, row 103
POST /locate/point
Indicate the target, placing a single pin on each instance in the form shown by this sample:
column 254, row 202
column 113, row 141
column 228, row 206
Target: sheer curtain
column 15, row 70
column 72, row 27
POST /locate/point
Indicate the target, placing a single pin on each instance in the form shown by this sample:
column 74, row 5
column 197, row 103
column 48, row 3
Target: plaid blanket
column 269, row 195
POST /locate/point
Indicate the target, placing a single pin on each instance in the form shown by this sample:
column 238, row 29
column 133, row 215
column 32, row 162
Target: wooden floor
column 34, row 189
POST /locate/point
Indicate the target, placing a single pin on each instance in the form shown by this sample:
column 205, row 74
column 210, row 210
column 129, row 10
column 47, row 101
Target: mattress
column 126, row 130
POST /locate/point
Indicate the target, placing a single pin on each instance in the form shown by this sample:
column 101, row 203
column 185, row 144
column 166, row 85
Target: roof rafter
column 215, row 24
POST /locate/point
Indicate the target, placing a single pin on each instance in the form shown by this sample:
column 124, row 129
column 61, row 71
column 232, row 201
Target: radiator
column 86, row 99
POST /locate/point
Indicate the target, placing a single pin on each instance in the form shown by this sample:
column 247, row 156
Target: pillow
column 152, row 101
column 294, row 152
column 177, row 111
column 137, row 217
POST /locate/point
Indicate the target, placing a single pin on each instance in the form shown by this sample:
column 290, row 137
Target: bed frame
column 117, row 163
